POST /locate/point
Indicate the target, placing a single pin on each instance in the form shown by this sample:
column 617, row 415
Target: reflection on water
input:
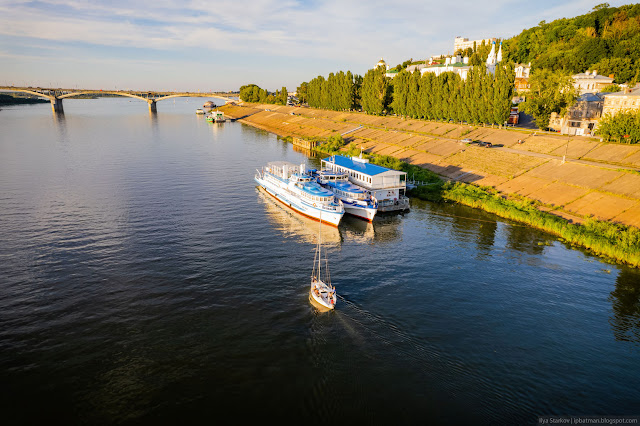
column 525, row 239
column 625, row 300
column 308, row 152
column 292, row 224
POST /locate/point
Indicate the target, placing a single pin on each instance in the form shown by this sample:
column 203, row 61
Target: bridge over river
column 56, row 95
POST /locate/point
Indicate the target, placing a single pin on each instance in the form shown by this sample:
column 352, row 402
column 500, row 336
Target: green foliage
column 550, row 92
column 337, row 92
column 334, row 143
column 303, row 92
column 621, row 127
column 606, row 39
column 281, row 96
column 250, row 93
column 482, row 98
column 603, row 238
column 376, row 91
column 612, row 88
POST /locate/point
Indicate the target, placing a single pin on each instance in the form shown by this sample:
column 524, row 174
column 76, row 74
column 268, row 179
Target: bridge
column 56, row 95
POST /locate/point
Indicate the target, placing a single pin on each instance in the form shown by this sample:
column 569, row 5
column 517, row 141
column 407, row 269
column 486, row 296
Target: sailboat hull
column 322, row 295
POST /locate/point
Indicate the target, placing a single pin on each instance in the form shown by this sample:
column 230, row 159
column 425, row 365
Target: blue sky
column 221, row 44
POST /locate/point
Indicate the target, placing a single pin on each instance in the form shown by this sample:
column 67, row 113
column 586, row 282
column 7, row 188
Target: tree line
column 253, row 93
column 607, row 40
column 481, row 98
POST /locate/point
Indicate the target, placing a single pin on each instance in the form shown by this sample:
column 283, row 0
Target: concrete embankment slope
column 598, row 179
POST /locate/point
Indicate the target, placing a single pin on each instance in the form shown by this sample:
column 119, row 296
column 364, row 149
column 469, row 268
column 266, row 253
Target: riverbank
column 6, row 100
column 594, row 204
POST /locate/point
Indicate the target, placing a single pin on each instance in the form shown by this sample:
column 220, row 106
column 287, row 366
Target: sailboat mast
column 319, row 246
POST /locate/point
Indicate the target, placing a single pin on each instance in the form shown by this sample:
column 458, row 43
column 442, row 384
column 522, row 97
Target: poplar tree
column 375, row 91
column 503, row 87
column 413, row 99
column 400, row 92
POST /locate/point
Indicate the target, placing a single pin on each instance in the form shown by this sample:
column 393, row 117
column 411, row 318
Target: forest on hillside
column 607, row 40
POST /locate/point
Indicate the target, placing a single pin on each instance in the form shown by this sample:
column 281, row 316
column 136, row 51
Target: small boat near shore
column 200, row 111
column 298, row 190
column 216, row 117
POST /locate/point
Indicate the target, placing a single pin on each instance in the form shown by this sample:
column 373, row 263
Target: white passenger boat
column 321, row 291
column 298, row 190
column 356, row 200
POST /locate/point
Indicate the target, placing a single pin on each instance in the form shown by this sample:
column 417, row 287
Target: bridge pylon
column 152, row 105
column 56, row 105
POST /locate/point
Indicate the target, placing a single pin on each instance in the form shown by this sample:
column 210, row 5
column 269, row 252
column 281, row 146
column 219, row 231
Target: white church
column 461, row 65
column 456, row 64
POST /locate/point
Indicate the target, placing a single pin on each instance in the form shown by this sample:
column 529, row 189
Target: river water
column 145, row 279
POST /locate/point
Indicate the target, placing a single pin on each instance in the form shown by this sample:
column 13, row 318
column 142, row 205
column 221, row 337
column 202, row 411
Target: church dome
column 381, row 63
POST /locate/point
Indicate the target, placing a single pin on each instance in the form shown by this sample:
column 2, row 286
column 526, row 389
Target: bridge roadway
column 56, row 95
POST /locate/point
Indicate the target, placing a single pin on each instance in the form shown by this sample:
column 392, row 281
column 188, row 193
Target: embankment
column 597, row 181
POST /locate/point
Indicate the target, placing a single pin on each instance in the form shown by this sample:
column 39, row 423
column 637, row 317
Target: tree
column 550, row 92
column 622, row 127
column 400, row 92
column 611, row 88
column 376, row 91
column 503, row 87
column 302, row 92
column 356, row 92
column 250, row 93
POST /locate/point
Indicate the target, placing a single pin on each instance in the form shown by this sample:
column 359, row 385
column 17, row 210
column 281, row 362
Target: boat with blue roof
column 357, row 201
column 294, row 187
column 387, row 186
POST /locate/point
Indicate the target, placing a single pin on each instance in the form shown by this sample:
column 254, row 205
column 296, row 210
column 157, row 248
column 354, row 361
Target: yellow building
column 628, row 99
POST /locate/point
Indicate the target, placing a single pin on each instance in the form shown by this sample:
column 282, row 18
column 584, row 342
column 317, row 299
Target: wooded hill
column 607, row 40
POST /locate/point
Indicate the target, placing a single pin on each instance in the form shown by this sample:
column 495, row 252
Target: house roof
column 457, row 64
column 634, row 92
column 591, row 97
column 584, row 76
column 359, row 166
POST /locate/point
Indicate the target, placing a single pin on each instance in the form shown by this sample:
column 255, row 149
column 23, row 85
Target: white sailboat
column 322, row 292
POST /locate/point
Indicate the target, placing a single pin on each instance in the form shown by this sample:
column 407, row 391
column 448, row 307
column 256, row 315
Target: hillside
column 607, row 40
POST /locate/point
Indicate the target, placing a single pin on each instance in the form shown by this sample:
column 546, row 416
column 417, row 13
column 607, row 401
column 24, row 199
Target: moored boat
column 199, row 111
column 356, row 200
column 298, row 190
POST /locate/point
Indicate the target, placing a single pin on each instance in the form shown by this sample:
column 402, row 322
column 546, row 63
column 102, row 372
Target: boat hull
column 322, row 299
column 329, row 217
column 365, row 213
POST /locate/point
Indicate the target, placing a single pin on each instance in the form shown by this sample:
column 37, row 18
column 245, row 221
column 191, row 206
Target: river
column 145, row 279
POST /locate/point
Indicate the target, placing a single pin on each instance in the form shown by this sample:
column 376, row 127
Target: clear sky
column 221, row 44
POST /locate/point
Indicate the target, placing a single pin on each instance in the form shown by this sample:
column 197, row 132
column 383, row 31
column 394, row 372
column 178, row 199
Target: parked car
column 485, row 144
column 467, row 140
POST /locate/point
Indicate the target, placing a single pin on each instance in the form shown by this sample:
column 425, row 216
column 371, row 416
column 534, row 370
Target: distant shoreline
column 6, row 100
